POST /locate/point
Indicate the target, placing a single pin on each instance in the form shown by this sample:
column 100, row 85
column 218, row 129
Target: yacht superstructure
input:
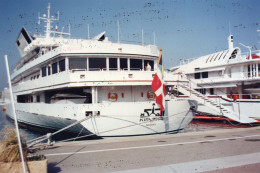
column 225, row 82
column 60, row 80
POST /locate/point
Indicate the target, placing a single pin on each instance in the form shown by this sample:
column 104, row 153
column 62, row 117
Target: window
column 211, row 91
column 234, row 54
column 77, row 63
column 38, row 98
column 62, row 65
column 135, row 64
column 49, row 70
column 197, row 75
column 150, row 62
column 18, row 43
column 123, row 63
column 54, row 68
column 204, row 74
column 44, row 71
column 112, row 63
column 202, row 91
column 97, row 64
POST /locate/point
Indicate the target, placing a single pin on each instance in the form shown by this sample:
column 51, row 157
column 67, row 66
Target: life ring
column 112, row 96
column 150, row 95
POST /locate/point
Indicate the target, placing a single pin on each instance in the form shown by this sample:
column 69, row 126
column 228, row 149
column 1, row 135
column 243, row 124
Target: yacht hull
column 108, row 119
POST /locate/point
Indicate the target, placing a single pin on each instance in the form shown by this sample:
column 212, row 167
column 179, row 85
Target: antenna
column 88, row 32
column 39, row 21
column 142, row 36
column 69, row 30
column 153, row 37
column 58, row 15
column 249, row 48
column 118, row 34
column 229, row 28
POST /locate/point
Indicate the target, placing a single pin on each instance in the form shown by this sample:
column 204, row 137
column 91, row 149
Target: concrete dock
column 231, row 150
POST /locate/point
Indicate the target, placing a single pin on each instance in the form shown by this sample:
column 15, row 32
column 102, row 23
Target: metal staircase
column 216, row 108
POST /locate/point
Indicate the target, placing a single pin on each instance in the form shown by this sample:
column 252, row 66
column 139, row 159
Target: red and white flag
column 158, row 87
column 56, row 28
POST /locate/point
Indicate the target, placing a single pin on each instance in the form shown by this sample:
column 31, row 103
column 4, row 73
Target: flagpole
column 14, row 113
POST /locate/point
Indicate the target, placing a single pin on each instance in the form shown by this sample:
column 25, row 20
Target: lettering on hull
column 150, row 115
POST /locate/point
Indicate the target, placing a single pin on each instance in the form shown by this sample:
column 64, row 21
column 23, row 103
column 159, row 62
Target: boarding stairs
column 216, row 107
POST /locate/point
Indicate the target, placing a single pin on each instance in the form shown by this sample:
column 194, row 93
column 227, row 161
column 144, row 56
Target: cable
column 113, row 129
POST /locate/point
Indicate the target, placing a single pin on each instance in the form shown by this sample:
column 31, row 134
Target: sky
column 183, row 28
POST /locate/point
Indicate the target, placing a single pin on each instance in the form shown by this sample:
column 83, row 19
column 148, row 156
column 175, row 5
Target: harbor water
column 192, row 127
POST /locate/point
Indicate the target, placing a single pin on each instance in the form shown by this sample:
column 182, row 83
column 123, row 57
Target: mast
column 48, row 19
column 230, row 42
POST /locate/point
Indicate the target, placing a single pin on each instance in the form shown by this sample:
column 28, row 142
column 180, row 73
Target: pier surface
column 231, row 150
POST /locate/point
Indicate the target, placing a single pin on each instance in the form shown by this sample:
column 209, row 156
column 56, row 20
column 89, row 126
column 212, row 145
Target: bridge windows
column 123, row 63
column 151, row 62
column 44, row 71
column 136, row 64
column 62, row 66
column 78, row 63
column 54, row 67
column 97, row 64
column 112, row 63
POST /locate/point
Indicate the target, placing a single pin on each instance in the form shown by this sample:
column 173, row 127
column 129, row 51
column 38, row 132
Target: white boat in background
column 60, row 81
column 226, row 84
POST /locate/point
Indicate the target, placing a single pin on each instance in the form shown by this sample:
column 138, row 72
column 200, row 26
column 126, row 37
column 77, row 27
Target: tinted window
column 62, row 65
column 77, row 63
column 150, row 63
column 97, row 63
column 43, row 71
column 49, row 70
column 54, row 68
column 112, row 63
column 123, row 63
column 197, row 75
column 211, row 90
column 205, row 75
column 135, row 64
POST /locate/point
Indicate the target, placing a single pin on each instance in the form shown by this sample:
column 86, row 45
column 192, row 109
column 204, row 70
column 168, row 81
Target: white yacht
column 226, row 84
column 60, row 80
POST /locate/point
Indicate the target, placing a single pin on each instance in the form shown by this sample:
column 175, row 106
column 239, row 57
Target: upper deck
column 53, row 57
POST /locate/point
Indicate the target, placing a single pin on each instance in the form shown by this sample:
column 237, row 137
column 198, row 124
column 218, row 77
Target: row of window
column 113, row 63
column 27, row 99
column 54, row 68
column 96, row 64
column 201, row 75
column 204, row 91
